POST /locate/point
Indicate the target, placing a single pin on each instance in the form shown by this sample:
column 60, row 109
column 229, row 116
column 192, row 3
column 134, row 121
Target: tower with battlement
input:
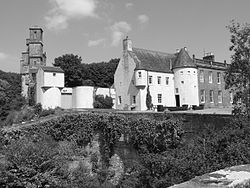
column 32, row 59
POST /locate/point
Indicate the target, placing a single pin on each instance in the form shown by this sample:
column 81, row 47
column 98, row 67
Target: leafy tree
column 101, row 102
column 70, row 63
column 237, row 75
column 148, row 99
column 10, row 93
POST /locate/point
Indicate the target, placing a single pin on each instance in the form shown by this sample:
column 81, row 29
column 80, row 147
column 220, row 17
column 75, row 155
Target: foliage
column 101, row 102
column 237, row 76
column 70, row 64
column 163, row 159
column 148, row 100
column 10, row 94
column 93, row 74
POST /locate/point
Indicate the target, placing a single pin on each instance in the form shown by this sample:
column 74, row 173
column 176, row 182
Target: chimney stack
column 127, row 44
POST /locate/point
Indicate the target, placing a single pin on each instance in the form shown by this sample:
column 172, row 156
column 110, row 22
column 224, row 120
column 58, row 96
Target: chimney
column 127, row 44
column 193, row 57
column 209, row 56
column 177, row 50
column 185, row 48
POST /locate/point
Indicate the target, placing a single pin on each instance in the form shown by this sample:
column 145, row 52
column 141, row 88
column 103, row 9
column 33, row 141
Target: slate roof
column 152, row 60
column 52, row 69
column 183, row 60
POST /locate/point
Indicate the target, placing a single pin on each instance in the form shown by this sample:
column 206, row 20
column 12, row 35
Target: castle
column 173, row 79
column 45, row 84
column 40, row 83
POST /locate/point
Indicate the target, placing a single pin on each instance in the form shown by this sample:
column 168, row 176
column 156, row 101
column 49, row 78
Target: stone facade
column 31, row 60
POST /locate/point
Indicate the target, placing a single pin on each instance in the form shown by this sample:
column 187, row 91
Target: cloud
column 143, row 18
column 64, row 10
column 118, row 31
column 129, row 5
column 3, row 56
column 97, row 42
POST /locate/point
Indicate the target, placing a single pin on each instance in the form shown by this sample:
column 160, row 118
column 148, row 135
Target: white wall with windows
column 186, row 82
column 161, row 86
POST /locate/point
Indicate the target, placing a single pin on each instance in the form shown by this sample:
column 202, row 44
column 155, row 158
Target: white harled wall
column 186, row 82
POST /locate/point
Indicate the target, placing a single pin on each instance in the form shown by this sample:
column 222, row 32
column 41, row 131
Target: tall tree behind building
column 237, row 75
column 82, row 74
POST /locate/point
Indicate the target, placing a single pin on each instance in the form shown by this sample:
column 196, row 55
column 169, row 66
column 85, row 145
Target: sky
column 94, row 29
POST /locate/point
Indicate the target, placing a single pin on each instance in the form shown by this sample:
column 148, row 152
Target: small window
column 167, row 80
column 158, row 79
column 176, row 90
column 203, row 99
column 54, row 74
column 188, row 72
column 218, row 77
column 211, row 96
column 159, row 96
column 182, row 82
column 181, row 72
column 119, row 99
column 231, row 96
column 219, row 96
column 134, row 100
column 210, row 77
column 139, row 74
column 150, row 79
column 201, row 75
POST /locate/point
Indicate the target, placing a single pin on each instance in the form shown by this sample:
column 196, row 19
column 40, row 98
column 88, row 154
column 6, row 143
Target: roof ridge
column 154, row 51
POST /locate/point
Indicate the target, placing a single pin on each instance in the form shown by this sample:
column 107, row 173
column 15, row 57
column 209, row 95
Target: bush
column 101, row 102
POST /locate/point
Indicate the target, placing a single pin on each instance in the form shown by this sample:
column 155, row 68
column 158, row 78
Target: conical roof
column 183, row 60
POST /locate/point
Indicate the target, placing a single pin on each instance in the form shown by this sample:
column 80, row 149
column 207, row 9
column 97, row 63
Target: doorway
column 177, row 100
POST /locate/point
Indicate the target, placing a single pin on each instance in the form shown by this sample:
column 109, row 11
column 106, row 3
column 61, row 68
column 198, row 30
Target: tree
column 70, row 63
column 148, row 99
column 237, row 76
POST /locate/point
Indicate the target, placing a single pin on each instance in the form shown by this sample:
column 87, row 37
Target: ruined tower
column 31, row 60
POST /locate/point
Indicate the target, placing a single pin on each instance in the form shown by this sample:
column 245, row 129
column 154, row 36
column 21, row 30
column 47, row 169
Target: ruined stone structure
column 31, row 60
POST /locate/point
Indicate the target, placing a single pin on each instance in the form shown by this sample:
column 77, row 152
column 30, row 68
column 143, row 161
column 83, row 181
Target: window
column 139, row 74
column 181, row 72
column 167, row 80
column 218, row 77
column 210, row 77
column 203, row 99
column 188, row 72
column 219, row 96
column 158, row 79
column 211, row 96
column 176, row 90
column 54, row 74
column 133, row 82
column 119, row 99
column 182, row 82
column 150, row 79
column 134, row 100
column 159, row 96
column 201, row 75
column 231, row 96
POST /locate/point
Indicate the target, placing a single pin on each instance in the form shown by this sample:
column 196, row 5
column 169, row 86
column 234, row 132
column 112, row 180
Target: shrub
column 101, row 102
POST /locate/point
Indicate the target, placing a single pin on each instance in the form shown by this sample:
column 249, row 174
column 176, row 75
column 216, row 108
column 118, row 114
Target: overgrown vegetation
column 10, row 94
column 163, row 158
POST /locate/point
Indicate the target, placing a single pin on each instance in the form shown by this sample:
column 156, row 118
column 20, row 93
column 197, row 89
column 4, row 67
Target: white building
column 49, row 83
column 172, row 78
